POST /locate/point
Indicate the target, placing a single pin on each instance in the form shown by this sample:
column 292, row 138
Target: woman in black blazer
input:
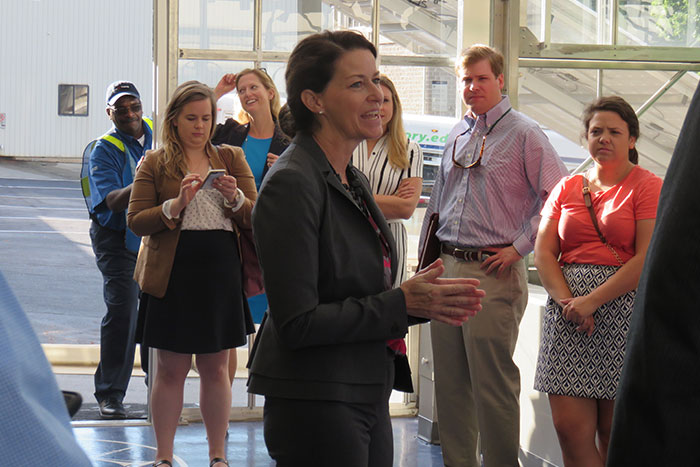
column 324, row 356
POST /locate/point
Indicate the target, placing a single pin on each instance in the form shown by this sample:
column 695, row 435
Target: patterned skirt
column 571, row 363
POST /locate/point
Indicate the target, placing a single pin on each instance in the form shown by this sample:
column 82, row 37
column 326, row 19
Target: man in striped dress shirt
column 497, row 169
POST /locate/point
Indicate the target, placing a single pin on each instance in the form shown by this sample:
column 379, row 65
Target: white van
column 227, row 107
column 430, row 132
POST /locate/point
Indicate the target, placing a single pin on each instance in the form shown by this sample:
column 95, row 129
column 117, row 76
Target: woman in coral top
column 592, row 284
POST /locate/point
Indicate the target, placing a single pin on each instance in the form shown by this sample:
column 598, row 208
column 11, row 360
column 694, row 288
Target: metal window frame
column 73, row 113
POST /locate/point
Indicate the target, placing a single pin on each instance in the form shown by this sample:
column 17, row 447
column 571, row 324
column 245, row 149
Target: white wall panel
column 44, row 43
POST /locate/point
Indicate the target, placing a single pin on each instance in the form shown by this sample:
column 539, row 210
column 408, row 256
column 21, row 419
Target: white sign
column 2, row 120
column 439, row 96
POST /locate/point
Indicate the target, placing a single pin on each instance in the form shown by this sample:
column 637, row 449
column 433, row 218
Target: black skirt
column 203, row 310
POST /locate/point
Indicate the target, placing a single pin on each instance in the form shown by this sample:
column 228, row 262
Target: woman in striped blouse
column 394, row 167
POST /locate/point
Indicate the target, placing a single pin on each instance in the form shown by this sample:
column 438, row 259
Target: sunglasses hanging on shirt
column 477, row 162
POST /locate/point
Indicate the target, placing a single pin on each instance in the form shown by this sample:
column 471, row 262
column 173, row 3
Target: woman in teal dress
column 261, row 138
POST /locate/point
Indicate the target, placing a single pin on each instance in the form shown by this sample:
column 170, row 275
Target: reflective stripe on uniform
column 115, row 141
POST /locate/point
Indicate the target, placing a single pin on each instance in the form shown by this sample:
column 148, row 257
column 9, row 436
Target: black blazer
column 325, row 334
column 656, row 418
column 233, row 133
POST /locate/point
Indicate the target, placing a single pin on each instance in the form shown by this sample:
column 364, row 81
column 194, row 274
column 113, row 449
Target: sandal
column 162, row 462
column 216, row 460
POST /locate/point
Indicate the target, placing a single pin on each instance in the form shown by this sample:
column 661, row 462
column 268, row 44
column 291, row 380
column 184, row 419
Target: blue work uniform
column 112, row 165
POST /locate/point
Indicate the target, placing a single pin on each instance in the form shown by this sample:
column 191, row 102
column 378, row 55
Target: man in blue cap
column 112, row 165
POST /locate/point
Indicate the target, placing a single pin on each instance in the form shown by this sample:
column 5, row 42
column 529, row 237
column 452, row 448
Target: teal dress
column 256, row 155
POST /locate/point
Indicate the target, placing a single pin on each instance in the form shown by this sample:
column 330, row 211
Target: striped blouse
column 384, row 179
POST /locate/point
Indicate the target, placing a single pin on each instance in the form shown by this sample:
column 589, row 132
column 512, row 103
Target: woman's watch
column 237, row 201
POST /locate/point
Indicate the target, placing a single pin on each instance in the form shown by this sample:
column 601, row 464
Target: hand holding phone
column 212, row 175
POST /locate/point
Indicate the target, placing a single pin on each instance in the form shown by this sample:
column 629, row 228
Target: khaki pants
column 477, row 384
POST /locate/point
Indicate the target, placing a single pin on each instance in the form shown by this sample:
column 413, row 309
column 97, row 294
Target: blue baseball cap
column 120, row 89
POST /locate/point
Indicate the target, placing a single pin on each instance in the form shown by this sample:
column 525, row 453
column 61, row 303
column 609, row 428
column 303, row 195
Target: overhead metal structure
column 556, row 81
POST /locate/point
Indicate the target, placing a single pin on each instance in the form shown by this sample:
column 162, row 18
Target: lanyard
column 496, row 122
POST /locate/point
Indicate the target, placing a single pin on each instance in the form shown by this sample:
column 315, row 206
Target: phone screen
column 211, row 176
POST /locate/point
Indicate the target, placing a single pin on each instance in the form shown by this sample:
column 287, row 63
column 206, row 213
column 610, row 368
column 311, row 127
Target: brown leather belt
column 466, row 254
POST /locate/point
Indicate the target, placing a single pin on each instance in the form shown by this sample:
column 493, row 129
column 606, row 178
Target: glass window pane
column 660, row 23
column 286, row 22
column 424, row 90
column 555, row 98
column 654, row 23
column 65, row 99
column 210, row 72
column 276, row 71
column 427, row 96
column 532, row 17
column 568, row 21
column 420, row 27
column 578, row 22
column 660, row 125
column 81, row 99
column 216, row 24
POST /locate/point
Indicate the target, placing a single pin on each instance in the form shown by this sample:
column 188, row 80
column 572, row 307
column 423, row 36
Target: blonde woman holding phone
column 189, row 266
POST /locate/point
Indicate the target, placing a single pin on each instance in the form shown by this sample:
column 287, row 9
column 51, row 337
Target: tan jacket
column 160, row 235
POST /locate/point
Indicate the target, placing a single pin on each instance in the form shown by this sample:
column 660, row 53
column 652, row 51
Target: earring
column 320, row 112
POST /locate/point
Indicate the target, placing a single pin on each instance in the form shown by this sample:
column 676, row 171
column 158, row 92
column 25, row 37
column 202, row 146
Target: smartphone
column 212, row 175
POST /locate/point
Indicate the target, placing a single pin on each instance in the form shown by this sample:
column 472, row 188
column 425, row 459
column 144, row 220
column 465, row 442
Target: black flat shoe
column 163, row 462
column 219, row 460
column 112, row 408
column 73, row 402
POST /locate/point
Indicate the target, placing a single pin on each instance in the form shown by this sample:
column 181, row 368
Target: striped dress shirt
column 497, row 202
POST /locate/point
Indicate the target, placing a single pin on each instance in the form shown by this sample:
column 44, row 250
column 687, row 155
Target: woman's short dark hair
column 623, row 109
column 312, row 65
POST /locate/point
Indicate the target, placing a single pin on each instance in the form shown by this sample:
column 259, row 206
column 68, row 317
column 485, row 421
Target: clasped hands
column 579, row 311
column 451, row 301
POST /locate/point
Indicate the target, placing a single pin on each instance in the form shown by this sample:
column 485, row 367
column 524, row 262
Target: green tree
column 674, row 17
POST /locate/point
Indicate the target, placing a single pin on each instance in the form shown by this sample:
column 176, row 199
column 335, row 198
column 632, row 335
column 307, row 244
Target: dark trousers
column 309, row 433
column 118, row 329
